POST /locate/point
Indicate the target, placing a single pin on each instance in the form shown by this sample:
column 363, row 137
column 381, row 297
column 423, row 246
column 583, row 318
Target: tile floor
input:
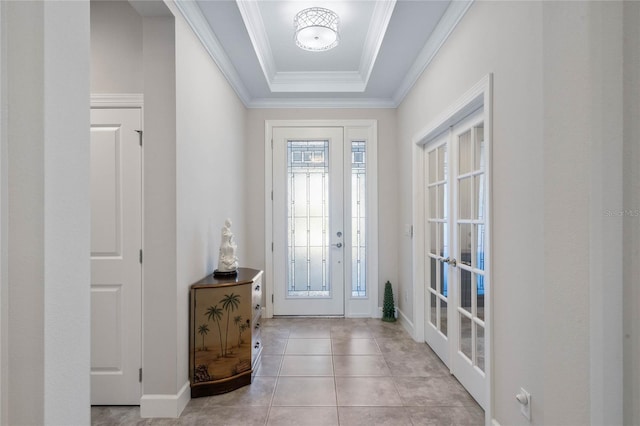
column 333, row 371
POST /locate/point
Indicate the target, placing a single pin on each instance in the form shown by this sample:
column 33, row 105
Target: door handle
column 337, row 245
column 450, row 261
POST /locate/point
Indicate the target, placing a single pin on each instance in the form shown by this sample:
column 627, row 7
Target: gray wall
column 556, row 264
column 45, row 133
column 631, row 222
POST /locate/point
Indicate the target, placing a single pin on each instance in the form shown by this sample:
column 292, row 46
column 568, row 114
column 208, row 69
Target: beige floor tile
column 432, row 391
column 308, row 347
column 303, row 416
column 305, row 391
column 310, row 333
column 446, row 416
column 258, row 393
column 307, row 365
column 354, row 347
column 378, row 416
column 269, row 365
column 360, row 365
column 367, row 391
column 382, row 377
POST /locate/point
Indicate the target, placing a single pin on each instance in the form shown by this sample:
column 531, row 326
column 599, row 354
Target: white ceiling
column 384, row 47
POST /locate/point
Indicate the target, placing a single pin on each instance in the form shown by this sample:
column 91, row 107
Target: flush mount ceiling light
column 316, row 29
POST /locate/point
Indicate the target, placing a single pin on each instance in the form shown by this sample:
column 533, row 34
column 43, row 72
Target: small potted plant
column 388, row 308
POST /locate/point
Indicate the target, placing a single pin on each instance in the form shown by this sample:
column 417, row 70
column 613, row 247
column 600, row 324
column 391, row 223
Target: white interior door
column 456, row 251
column 437, row 290
column 116, row 273
column 470, row 242
column 308, row 224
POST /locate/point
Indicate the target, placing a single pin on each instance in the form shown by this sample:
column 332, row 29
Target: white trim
column 200, row 26
column 252, row 17
column 494, row 422
column 336, row 81
column 317, row 81
column 372, row 211
column 321, row 103
column 406, row 323
column 377, row 30
column 168, row 406
column 449, row 21
column 117, row 100
column 480, row 95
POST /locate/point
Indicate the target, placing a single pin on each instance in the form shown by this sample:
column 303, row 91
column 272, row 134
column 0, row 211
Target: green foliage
column 388, row 308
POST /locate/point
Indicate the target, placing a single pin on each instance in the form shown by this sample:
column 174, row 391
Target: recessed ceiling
column 384, row 47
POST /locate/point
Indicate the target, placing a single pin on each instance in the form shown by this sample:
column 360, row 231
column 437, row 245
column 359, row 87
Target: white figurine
column 227, row 260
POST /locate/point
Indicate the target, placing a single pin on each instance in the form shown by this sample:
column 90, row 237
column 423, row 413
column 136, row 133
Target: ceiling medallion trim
column 280, row 82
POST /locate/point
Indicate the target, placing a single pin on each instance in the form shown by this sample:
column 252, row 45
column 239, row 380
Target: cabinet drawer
column 256, row 298
column 256, row 342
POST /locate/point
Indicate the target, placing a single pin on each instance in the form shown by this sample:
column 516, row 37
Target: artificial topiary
column 388, row 310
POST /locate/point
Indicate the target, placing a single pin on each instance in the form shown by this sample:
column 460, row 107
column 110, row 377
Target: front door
column 116, row 272
column 308, row 224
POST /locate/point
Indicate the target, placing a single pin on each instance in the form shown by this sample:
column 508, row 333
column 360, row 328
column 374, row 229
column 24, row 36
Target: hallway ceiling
column 384, row 47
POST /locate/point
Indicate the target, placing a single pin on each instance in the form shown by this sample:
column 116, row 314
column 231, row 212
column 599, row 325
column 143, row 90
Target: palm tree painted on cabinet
column 203, row 330
column 230, row 303
column 242, row 327
column 215, row 313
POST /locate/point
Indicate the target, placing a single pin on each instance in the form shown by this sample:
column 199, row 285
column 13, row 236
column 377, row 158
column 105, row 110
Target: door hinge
column 271, row 195
column 140, row 134
column 271, row 143
column 272, row 298
column 140, row 256
column 140, row 375
column 271, row 246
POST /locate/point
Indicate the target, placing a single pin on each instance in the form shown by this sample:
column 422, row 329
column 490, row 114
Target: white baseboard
column 166, row 406
column 494, row 422
column 406, row 323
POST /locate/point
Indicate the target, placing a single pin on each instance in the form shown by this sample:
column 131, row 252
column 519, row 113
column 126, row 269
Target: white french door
column 456, row 255
column 437, row 244
column 308, row 220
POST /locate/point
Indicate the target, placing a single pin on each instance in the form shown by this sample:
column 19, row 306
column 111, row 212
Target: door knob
column 337, row 245
column 450, row 261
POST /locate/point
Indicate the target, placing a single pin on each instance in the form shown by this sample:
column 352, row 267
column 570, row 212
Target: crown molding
column 252, row 17
column 441, row 33
column 200, row 26
column 117, row 100
column 318, row 81
column 375, row 35
column 321, row 103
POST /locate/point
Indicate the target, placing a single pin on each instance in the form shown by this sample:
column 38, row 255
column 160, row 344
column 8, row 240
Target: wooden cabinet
column 224, row 334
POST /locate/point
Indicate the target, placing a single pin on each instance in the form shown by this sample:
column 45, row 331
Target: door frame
column 130, row 100
column 353, row 307
column 478, row 96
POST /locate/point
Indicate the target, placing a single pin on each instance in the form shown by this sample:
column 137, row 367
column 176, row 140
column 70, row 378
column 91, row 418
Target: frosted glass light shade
column 316, row 29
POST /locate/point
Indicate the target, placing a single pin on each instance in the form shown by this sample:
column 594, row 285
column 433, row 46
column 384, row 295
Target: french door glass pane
column 464, row 153
column 434, row 316
column 308, row 221
column 443, row 317
column 465, row 336
column 480, row 347
column 464, row 200
column 358, row 219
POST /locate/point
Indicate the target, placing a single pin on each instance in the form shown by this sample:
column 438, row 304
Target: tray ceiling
column 384, row 47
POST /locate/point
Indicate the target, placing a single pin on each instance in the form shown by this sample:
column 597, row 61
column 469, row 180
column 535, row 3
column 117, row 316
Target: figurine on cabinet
column 227, row 260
